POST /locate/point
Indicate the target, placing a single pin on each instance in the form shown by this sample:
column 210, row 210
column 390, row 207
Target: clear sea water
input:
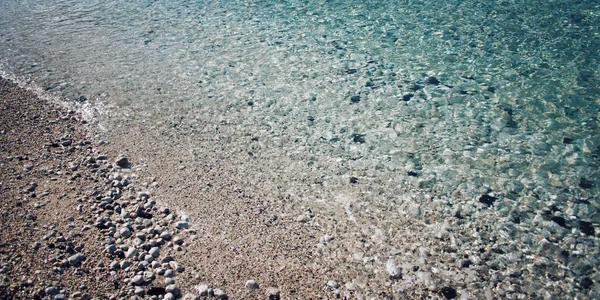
column 459, row 98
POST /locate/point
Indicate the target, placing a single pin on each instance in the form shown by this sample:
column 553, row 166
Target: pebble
column 172, row 288
column 201, row 289
column 137, row 279
column 139, row 291
column 75, row 259
column 251, row 284
column 122, row 162
column 303, row 218
column 219, row 294
column 169, row 296
column 125, row 264
column 393, row 269
column 273, row 293
column 182, row 225
column 176, row 266
column 169, row 273
column 125, row 232
column 131, row 252
column 51, row 290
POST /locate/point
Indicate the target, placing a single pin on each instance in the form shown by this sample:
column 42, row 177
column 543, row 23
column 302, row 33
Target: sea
column 487, row 105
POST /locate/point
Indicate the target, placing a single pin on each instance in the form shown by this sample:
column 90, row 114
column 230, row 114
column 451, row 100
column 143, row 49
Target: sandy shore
column 67, row 198
column 74, row 225
column 84, row 218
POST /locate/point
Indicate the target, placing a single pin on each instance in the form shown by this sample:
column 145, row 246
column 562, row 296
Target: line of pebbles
column 119, row 244
column 136, row 231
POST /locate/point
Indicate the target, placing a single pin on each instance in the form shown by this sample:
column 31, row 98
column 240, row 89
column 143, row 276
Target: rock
column 122, row 162
column 273, row 293
column 487, row 199
column 220, row 294
column 169, row 296
column 201, row 289
column 154, row 251
column 251, row 284
column 139, row 291
column 176, row 266
column 448, row 292
column 182, row 225
column 155, row 291
column 178, row 240
column 587, row 228
column 165, row 235
column 125, row 232
column 125, row 264
column 169, row 280
column 137, row 279
column 169, row 273
column 172, row 288
column 332, row 284
column 393, row 269
column 303, row 218
column 148, row 276
column 110, row 249
column 76, row 259
column 131, row 252
column 114, row 265
column 51, row 290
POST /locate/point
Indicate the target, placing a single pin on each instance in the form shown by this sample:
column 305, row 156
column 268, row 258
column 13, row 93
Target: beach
column 300, row 150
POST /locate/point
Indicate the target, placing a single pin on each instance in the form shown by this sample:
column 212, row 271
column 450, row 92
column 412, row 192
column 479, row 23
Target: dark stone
column 311, row 118
column 516, row 274
column 250, row 103
column 586, row 283
column 433, row 80
column 351, row 71
column 587, row 228
column 122, row 162
column 355, row 99
column 448, row 292
column 560, row 221
column 353, row 180
column 487, row 199
column 491, row 89
column 466, row 263
column 585, row 184
column 416, row 87
column 407, row 97
column 274, row 297
column 358, row 138
column 369, row 84
column 412, row 174
column 567, row 140
column 155, row 291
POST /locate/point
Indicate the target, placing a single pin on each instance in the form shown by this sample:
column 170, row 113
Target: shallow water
column 458, row 98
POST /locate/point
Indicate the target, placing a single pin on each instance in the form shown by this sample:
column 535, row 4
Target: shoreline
column 71, row 198
column 61, row 193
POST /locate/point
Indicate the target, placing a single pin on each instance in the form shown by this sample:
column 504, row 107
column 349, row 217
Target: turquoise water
column 458, row 98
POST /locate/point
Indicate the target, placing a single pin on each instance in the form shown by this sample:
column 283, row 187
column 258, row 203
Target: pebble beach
column 405, row 150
